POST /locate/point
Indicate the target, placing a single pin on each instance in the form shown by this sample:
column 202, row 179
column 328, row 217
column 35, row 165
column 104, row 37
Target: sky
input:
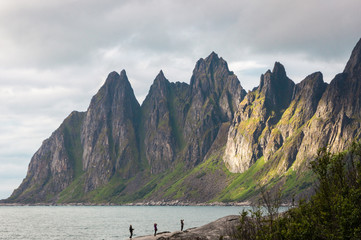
column 55, row 55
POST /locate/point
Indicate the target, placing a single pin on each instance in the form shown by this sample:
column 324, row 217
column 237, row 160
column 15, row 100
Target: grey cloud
column 322, row 29
column 69, row 33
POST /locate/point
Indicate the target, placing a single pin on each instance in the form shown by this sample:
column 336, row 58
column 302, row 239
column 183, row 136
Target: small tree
column 334, row 212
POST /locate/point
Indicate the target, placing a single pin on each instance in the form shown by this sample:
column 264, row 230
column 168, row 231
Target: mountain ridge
column 205, row 141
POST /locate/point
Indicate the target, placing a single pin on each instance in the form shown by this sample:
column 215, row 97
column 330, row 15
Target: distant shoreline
column 129, row 204
column 150, row 203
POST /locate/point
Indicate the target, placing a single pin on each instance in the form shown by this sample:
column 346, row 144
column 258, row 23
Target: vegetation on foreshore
column 334, row 212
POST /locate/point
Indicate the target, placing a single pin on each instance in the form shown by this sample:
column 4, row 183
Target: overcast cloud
column 55, row 55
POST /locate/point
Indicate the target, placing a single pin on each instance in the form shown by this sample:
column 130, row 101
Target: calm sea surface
column 102, row 222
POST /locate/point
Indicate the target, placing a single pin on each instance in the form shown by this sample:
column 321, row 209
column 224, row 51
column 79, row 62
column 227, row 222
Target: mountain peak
column 211, row 73
column 276, row 76
column 311, row 89
column 123, row 74
column 353, row 65
column 160, row 74
column 211, row 63
column 115, row 86
column 114, row 77
column 212, row 56
column 160, row 77
column 159, row 86
column 276, row 86
column 279, row 69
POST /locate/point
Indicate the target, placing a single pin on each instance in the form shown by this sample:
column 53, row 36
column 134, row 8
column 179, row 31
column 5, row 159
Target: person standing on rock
column 131, row 229
column 182, row 224
column 155, row 229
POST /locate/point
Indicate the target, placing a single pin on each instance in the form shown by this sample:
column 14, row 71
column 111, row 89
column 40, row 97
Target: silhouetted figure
column 131, row 231
column 155, row 229
column 182, row 224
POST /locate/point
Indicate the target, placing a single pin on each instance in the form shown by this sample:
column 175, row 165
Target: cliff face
column 109, row 132
column 55, row 165
column 336, row 121
column 251, row 129
column 203, row 141
column 309, row 115
column 216, row 92
column 289, row 130
column 181, row 121
column 162, row 113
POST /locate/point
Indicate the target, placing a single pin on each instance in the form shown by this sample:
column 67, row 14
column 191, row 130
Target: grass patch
column 296, row 183
column 242, row 185
column 74, row 192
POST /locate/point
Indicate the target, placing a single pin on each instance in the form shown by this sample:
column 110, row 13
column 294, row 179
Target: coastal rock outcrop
column 223, row 228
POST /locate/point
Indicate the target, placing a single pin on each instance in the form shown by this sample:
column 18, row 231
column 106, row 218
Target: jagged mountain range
column 200, row 142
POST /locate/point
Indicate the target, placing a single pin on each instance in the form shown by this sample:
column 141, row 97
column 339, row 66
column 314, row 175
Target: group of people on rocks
column 131, row 229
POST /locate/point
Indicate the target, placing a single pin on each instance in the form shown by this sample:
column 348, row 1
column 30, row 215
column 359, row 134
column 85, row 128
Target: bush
column 334, row 212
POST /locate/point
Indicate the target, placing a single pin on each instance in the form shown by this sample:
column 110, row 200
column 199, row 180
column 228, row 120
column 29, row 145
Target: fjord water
column 102, row 222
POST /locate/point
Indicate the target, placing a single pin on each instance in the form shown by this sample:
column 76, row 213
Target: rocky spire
column 215, row 95
column 277, row 87
column 353, row 65
column 210, row 75
column 109, row 130
column 344, row 92
column 158, row 143
column 160, row 84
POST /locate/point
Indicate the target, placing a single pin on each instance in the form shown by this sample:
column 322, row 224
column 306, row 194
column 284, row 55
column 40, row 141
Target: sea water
column 102, row 222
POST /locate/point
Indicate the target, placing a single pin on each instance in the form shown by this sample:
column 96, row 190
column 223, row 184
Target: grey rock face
column 251, row 127
column 181, row 120
column 53, row 167
column 287, row 127
column 276, row 87
column 109, row 132
column 270, row 117
column 159, row 142
column 336, row 120
column 216, row 92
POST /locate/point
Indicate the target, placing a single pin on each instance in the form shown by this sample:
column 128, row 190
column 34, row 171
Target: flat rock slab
column 222, row 228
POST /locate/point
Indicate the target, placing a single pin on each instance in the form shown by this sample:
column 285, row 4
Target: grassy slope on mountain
column 210, row 181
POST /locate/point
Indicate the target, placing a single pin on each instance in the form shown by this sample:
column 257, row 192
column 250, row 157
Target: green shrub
column 334, row 212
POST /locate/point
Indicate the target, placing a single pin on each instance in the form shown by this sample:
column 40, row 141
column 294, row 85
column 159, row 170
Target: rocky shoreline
column 223, row 228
